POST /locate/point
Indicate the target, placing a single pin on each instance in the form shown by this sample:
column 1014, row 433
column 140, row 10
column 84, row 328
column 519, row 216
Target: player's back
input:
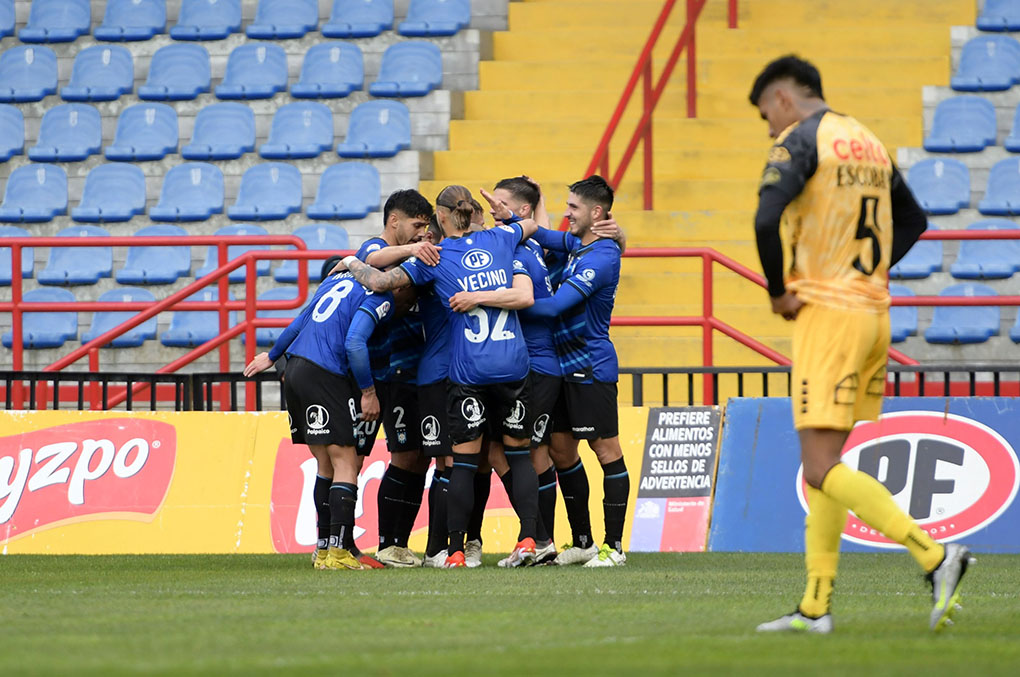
column 538, row 332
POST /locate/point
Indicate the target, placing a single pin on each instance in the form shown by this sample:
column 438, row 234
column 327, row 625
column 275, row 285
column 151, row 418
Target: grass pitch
column 661, row 614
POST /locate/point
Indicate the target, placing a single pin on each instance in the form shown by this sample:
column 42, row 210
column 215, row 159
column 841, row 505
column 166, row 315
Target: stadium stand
column 270, row 190
column 1014, row 331
column 34, row 194
column 987, row 259
column 27, row 256
column 234, row 251
column 1002, row 194
column 267, row 336
column 7, row 18
column 57, row 21
column 132, row 20
column 177, row 73
column 27, row 73
column 941, row 185
column 349, row 190
column 435, row 18
column 411, row 68
column 192, row 191
column 105, row 320
column 12, row 132
column 329, row 70
column 377, row 129
column 113, row 192
column 318, row 237
column 156, row 265
column 279, row 19
column 223, row 131
column 100, row 73
column 989, row 63
column 190, row 328
column 902, row 319
column 46, row 329
column 207, row 20
column 145, row 131
column 963, row 124
column 78, row 265
column 300, row 130
column 254, row 71
column 1012, row 142
column 359, row 19
column 69, row 132
column 999, row 15
column 923, row 260
column 964, row 324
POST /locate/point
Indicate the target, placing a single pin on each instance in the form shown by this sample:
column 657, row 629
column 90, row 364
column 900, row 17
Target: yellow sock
column 822, row 528
column 873, row 503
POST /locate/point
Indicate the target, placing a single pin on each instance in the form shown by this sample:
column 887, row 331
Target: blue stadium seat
column 941, row 185
column 377, row 129
column 987, row 259
column 145, row 131
column 78, row 265
column 192, row 191
column 267, row 336
column 234, row 251
column 269, row 191
column 189, row 328
column 100, row 73
column 1012, row 142
column 988, row 63
column 156, row 265
column 105, row 320
column 1002, row 195
column 177, row 73
column 254, row 71
column 902, row 319
column 319, row 237
column 27, row 73
column 223, row 131
column 999, row 15
column 57, row 21
column 435, row 17
column 12, row 132
column 964, row 324
column 207, row 20
column 412, row 68
column 113, row 192
column 349, row 190
column 923, row 259
column 27, row 255
column 359, row 18
column 7, row 18
column 300, row 130
column 45, row 329
column 34, row 194
column 68, row 133
column 280, row 19
column 330, row 69
column 131, row 20
column 963, row 124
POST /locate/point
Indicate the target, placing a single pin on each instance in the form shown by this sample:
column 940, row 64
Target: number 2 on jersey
column 499, row 332
column 867, row 228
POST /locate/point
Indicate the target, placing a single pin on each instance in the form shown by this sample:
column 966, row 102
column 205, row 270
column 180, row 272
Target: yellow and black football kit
column 832, row 190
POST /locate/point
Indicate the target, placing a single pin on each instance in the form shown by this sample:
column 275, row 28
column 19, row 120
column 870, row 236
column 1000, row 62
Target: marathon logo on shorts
column 82, row 471
column 952, row 474
column 316, row 420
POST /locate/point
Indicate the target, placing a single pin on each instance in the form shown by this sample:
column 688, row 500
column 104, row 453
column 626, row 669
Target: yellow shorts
column 839, row 359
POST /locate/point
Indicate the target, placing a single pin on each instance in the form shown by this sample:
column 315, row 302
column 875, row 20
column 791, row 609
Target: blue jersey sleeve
column 594, row 273
column 419, row 273
column 566, row 297
column 509, row 231
column 555, row 240
column 369, row 246
column 288, row 335
column 373, row 310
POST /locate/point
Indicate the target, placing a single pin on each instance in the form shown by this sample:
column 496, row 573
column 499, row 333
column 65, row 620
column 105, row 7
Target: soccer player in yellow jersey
column 848, row 216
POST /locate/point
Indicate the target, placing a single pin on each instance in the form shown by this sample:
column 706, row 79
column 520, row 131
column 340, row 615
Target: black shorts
column 545, row 390
column 470, row 407
column 435, row 429
column 400, row 417
column 365, row 432
column 322, row 407
column 588, row 411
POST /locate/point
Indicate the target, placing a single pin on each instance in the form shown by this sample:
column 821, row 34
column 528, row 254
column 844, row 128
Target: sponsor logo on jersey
column 316, row 417
column 476, row 259
column 779, row 155
column 771, row 176
column 507, row 228
column 472, row 410
column 588, row 274
column 383, row 308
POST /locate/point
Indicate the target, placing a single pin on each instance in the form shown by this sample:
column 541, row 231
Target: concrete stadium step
column 659, row 228
column 681, row 347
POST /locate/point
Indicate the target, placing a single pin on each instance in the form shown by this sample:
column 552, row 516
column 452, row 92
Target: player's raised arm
column 501, row 212
column 908, row 219
column 521, row 295
column 375, row 279
column 426, row 252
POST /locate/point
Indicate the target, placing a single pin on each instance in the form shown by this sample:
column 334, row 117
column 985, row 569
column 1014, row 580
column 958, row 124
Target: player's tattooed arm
column 375, row 279
column 521, row 296
column 426, row 252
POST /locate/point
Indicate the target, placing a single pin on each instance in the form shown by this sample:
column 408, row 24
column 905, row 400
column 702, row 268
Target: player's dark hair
column 476, row 207
column 328, row 265
column 595, row 191
column 410, row 202
column 523, row 189
column 437, row 228
column 789, row 67
column 458, row 200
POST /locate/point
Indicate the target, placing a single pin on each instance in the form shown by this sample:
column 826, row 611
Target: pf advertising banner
column 951, row 463
column 674, row 497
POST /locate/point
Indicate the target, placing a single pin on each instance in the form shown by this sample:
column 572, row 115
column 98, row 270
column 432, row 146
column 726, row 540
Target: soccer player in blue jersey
column 327, row 345
column 488, row 356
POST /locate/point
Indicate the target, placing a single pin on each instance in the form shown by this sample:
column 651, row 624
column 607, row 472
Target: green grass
column 661, row 614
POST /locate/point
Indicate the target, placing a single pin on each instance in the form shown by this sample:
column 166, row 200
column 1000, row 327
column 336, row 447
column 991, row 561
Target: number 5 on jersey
column 867, row 228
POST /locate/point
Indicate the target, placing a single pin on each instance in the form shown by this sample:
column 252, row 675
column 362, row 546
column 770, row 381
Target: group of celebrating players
column 481, row 348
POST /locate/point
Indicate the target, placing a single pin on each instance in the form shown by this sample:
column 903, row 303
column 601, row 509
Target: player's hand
column 499, row 211
column 338, row 268
column 260, row 363
column 463, row 302
column 426, row 252
column 787, row 305
column 369, row 406
column 607, row 228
